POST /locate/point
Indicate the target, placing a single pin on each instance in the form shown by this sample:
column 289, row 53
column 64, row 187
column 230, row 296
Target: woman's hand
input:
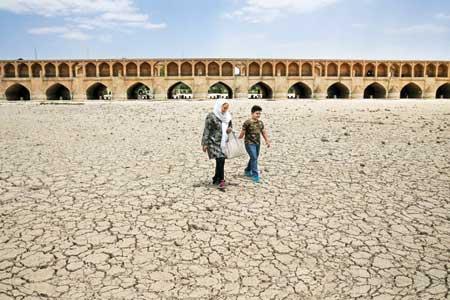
column 205, row 148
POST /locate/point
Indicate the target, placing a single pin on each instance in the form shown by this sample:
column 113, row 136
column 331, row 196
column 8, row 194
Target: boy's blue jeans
column 253, row 152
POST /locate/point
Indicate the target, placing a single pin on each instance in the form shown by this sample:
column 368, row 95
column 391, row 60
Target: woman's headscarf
column 225, row 117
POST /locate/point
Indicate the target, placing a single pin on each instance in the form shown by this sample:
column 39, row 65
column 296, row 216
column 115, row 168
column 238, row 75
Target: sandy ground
column 113, row 201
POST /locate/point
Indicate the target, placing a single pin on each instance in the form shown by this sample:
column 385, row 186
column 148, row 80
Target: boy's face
column 256, row 115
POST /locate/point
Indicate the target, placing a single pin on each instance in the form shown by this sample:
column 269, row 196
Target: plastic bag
column 234, row 146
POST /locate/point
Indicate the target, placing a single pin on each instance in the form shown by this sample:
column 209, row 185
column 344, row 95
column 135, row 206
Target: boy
column 252, row 129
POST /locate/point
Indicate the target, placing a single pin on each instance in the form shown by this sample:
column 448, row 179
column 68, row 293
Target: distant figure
column 217, row 127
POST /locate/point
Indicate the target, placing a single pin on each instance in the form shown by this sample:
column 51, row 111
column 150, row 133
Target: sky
column 326, row 29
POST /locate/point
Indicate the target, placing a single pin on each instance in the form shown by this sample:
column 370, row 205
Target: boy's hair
column 256, row 108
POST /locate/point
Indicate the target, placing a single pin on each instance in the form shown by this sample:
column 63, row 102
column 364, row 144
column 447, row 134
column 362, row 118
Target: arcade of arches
column 80, row 80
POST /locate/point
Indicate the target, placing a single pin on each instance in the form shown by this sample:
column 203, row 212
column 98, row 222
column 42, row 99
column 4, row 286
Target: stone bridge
column 160, row 79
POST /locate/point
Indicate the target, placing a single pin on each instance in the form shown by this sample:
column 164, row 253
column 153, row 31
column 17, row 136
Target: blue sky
column 370, row 29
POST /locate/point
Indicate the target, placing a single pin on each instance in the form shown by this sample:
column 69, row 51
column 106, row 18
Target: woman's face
column 225, row 107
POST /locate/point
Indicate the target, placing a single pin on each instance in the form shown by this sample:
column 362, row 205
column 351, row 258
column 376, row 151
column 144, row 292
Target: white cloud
column 81, row 16
column 259, row 11
column 63, row 32
column 420, row 29
column 48, row 30
column 75, row 35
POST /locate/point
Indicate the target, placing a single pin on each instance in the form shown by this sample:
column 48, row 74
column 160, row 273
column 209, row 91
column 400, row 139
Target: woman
column 217, row 127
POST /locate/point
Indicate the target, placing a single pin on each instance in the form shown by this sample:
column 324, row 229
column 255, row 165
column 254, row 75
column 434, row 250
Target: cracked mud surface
column 113, row 201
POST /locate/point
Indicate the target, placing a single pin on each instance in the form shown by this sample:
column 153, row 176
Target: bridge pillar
column 241, row 95
column 430, row 89
column 393, row 95
column 357, row 95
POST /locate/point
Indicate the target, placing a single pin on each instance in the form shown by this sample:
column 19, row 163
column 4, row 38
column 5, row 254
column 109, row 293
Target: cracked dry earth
column 113, row 201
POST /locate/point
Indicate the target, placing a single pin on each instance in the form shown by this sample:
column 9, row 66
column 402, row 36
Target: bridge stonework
column 82, row 80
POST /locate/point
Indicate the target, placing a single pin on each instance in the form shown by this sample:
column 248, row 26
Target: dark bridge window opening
column 98, row 91
column 179, row 90
column 17, row 92
column 58, row 92
column 260, row 91
column 220, row 91
column 338, row 91
column 375, row 91
column 411, row 90
column 443, row 91
column 300, row 91
column 139, row 91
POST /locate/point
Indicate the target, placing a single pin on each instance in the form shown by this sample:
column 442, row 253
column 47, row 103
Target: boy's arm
column 242, row 134
column 266, row 138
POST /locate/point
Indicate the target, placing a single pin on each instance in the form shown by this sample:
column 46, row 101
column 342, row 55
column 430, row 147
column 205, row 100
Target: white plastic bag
column 234, row 146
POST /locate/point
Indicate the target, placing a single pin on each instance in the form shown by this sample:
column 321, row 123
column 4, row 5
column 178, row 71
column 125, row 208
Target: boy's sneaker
column 248, row 173
column 222, row 185
column 255, row 179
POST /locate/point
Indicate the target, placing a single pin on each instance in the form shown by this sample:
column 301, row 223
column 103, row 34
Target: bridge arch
column 179, row 90
column 443, row 92
column 58, row 92
column 23, row 70
column 186, row 69
column 375, row 91
column 443, row 70
column 36, row 70
column 345, row 70
column 300, row 90
column 17, row 92
column 131, row 69
column 139, row 91
column 431, row 70
column 227, row 69
column 220, row 90
column 419, row 70
column 260, row 90
column 63, row 70
column 104, row 70
column 213, row 69
column 332, row 70
column 145, row 70
column 280, row 69
column 97, row 91
column 50, row 70
column 117, row 69
column 357, row 70
column 254, row 69
column 172, row 69
column 200, row 69
column 338, row 91
column 370, row 70
column 91, row 70
column 307, row 69
column 411, row 91
column 267, row 69
column 293, row 69
column 406, row 70
column 9, row 70
column 395, row 70
column 382, row 70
